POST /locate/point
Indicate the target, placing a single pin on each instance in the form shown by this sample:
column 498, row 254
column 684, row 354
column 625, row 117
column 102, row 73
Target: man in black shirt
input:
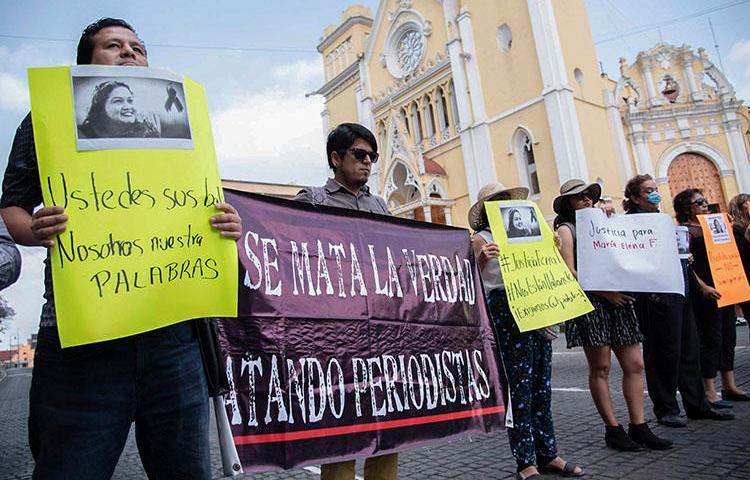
column 84, row 399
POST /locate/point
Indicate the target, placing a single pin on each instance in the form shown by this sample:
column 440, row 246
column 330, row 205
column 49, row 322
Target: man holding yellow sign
column 135, row 360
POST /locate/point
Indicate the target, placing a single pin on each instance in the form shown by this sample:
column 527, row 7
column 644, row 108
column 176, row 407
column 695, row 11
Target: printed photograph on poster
column 120, row 108
column 683, row 241
column 718, row 228
column 521, row 223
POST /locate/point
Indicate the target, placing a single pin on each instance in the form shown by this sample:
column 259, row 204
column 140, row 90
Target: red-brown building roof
column 431, row 166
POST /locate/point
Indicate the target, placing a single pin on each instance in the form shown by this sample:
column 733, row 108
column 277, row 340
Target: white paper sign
column 627, row 253
column 683, row 241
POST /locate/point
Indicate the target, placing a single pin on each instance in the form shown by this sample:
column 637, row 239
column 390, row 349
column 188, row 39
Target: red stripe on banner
column 363, row 427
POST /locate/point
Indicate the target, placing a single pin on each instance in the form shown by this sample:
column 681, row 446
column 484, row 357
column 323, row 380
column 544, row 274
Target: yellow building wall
column 578, row 48
column 599, row 147
column 509, row 78
column 342, row 107
column 534, row 119
column 450, row 157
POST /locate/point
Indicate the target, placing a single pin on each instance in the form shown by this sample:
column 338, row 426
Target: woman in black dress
column 716, row 326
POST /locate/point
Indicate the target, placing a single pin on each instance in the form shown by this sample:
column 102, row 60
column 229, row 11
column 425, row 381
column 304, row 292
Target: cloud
column 276, row 134
column 304, row 71
column 15, row 95
column 739, row 55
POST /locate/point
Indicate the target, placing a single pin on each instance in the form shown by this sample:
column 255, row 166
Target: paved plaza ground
column 703, row 450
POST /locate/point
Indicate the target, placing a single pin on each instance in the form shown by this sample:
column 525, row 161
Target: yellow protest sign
column 128, row 152
column 541, row 290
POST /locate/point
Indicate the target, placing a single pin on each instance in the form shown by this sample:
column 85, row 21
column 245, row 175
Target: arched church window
column 437, row 212
column 442, row 109
column 527, row 162
column 405, row 118
column 428, row 116
column 416, row 120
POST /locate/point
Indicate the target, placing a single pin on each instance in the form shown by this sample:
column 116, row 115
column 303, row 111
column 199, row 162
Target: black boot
column 643, row 435
column 615, row 437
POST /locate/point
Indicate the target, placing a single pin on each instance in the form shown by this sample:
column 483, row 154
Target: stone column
column 427, row 213
column 625, row 170
column 639, row 142
column 737, row 150
column 565, row 130
column 448, row 215
column 687, row 70
column 653, row 98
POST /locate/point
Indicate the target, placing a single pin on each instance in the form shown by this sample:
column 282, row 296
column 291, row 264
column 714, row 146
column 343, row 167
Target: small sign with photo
column 683, row 241
column 120, row 108
column 520, row 222
column 718, row 228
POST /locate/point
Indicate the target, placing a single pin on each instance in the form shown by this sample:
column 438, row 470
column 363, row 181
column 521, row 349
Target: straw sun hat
column 488, row 193
column 574, row 187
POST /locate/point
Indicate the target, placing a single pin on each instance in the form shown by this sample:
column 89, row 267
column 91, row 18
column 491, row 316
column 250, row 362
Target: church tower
column 461, row 93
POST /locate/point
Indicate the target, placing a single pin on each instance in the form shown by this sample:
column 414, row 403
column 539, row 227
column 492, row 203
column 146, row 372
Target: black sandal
column 568, row 470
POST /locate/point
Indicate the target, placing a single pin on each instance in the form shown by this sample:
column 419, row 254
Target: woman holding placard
column 670, row 340
column 739, row 210
column 716, row 326
column 527, row 356
column 611, row 327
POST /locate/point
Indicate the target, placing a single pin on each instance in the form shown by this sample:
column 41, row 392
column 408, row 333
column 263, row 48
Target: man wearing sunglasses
column 352, row 152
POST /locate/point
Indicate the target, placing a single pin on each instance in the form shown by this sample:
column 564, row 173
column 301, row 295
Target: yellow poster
column 541, row 290
column 129, row 153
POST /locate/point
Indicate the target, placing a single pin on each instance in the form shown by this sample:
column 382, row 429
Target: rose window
column 409, row 51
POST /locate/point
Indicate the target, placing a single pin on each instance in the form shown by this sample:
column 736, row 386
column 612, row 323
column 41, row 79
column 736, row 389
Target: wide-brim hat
column 574, row 187
column 490, row 192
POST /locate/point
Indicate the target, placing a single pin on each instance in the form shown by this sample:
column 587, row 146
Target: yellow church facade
column 463, row 93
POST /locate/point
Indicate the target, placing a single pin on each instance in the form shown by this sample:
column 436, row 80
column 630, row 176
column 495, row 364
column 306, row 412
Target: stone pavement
column 703, row 450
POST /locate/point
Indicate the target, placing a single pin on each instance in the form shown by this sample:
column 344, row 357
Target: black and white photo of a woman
column 521, row 223
column 113, row 114
column 118, row 108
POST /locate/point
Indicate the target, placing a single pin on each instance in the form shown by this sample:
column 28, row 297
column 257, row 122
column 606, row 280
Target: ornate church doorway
column 693, row 170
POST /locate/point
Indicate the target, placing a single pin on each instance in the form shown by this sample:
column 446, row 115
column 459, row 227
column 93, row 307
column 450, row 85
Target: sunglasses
column 582, row 196
column 361, row 154
column 700, row 201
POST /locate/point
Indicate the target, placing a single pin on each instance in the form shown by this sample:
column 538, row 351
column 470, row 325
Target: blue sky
column 265, row 128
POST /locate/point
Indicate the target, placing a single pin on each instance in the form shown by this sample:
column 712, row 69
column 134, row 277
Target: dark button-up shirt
column 333, row 194
column 21, row 188
column 10, row 258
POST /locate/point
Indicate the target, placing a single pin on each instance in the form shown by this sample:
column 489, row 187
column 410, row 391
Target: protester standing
column 611, row 327
column 670, row 340
column 84, row 399
column 739, row 210
column 527, row 356
column 716, row 326
column 352, row 151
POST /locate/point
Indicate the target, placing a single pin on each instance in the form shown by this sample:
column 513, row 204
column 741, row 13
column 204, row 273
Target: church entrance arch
column 693, row 170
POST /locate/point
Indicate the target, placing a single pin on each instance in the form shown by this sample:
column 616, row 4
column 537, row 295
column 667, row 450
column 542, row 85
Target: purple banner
column 358, row 335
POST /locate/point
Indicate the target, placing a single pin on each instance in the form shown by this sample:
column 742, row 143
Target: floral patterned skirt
column 607, row 325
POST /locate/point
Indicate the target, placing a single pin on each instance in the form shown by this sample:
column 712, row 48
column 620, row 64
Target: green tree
column 6, row 313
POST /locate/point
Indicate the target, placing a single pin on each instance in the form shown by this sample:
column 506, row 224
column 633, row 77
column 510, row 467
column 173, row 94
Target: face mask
column 654, row 198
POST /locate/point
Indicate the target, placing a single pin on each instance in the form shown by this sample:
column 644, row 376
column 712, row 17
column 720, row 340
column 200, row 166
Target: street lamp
column 18, row 350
